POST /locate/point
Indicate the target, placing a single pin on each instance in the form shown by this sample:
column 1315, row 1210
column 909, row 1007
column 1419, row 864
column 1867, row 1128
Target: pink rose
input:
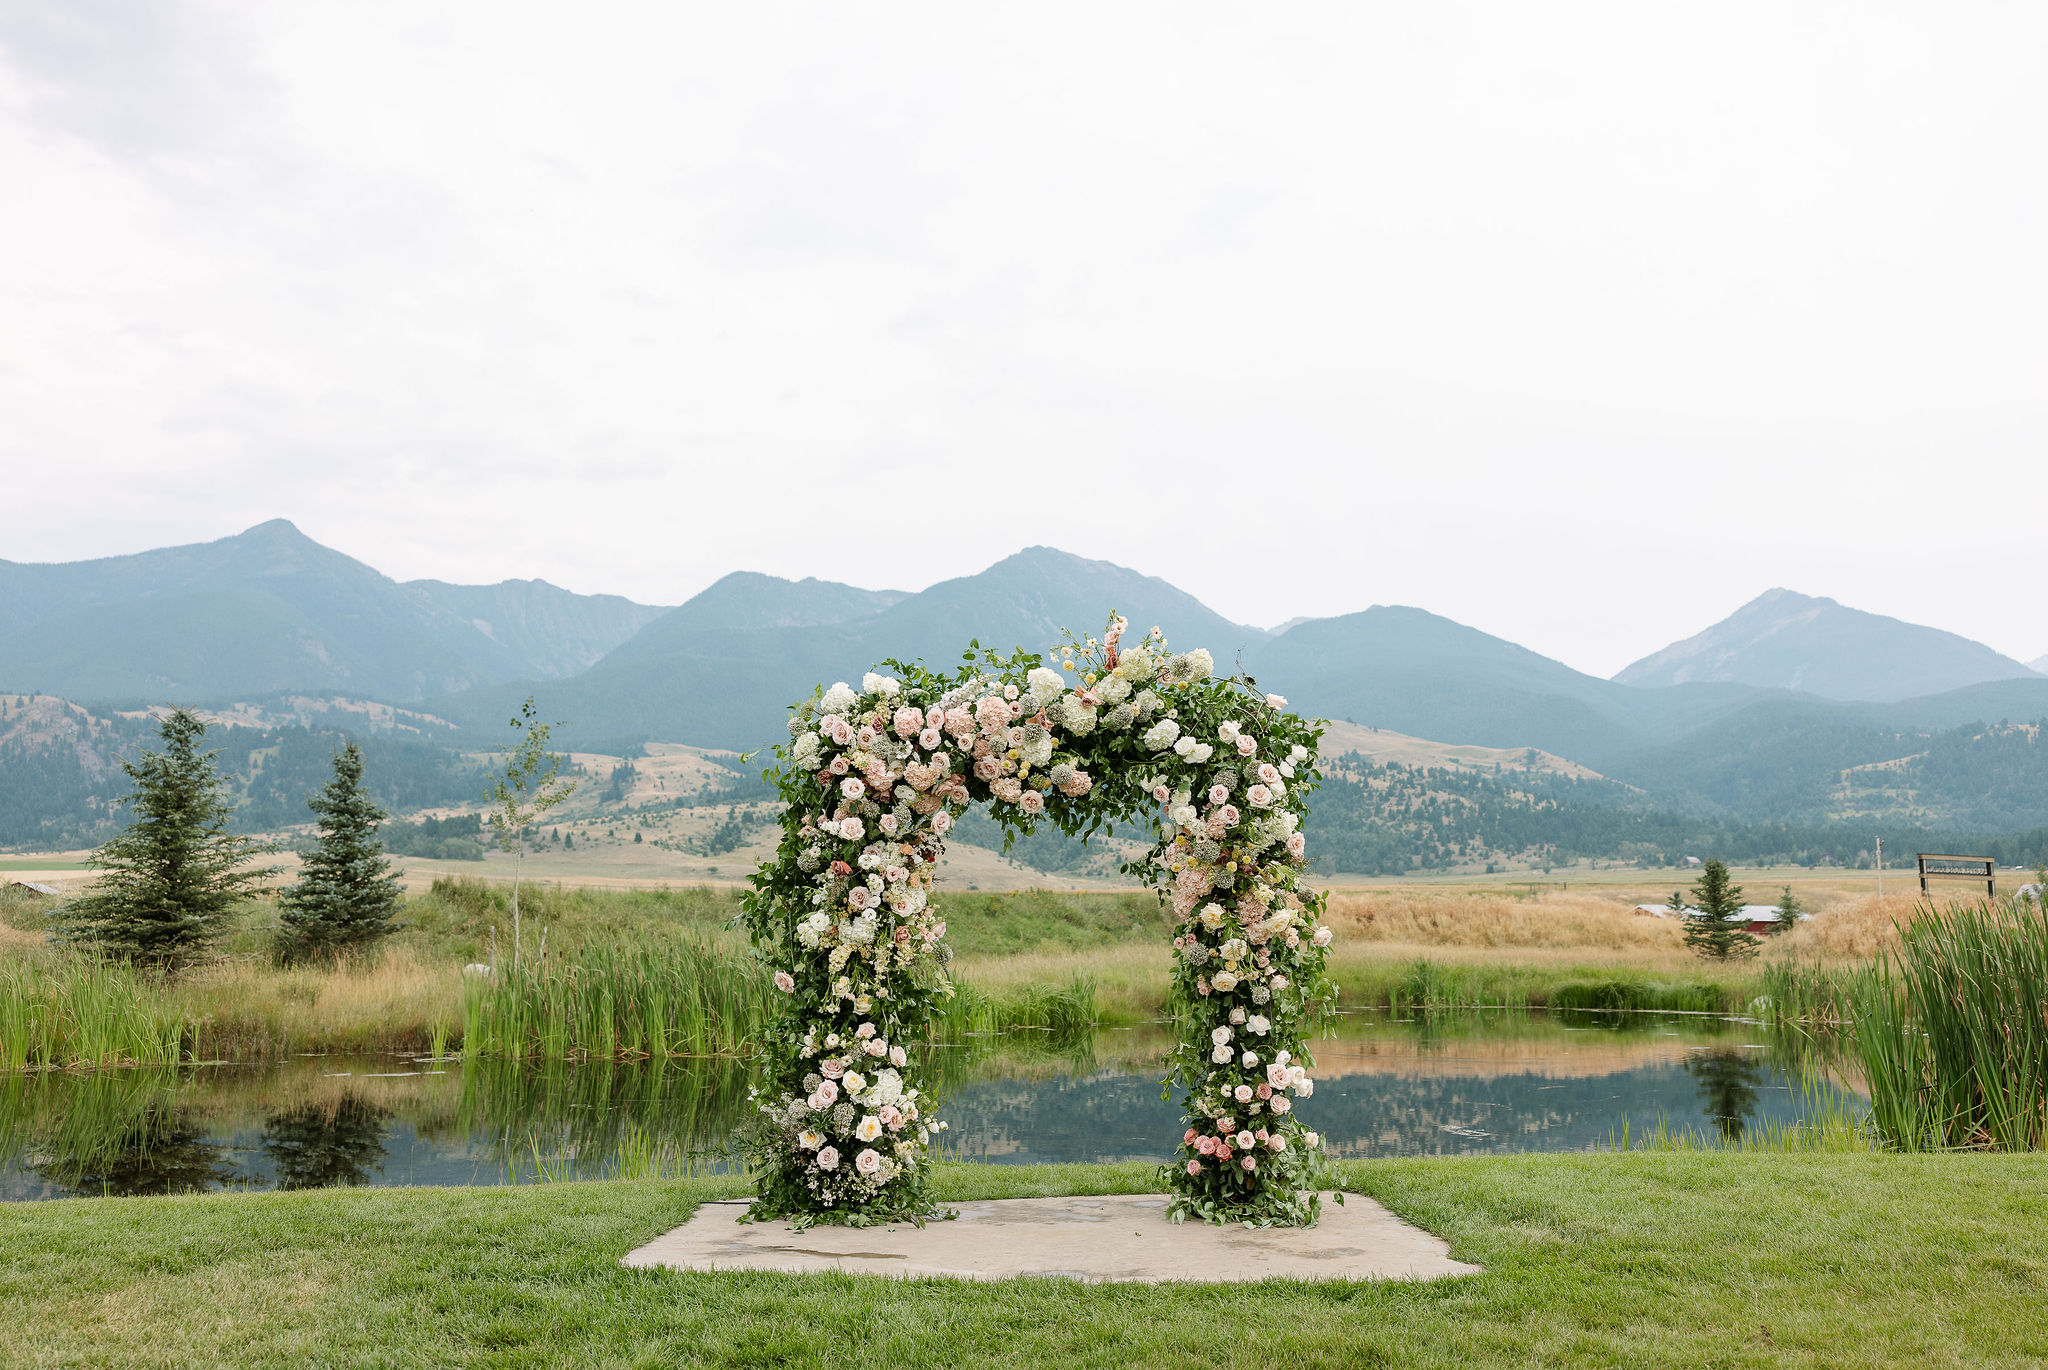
column 1194, row 1167
column 1259, row 796
column 784, row 982
column 1032, row 802
column 1229, row 814
column 1269, row 773
column 851, row 829
column 1250, row 1163
column 857, row 897
column 1160, row 792
column 1322, row 937
column 887, row 823
column 1189, row 1136
column 1217, row 794
column 941, row 822
column 1277, row 1142
column 832, row 1069
column 896, row 1057
column 868, row 1162
column 828, row 1158
column 1246, row 745
column 1297, row 844
column 929, row 739
column 1264, row 1091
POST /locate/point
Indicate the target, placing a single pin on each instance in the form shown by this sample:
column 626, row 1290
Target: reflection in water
column 1729, row 1079
column 153, row 1154
column 314, row 1146
column 1443, row 1085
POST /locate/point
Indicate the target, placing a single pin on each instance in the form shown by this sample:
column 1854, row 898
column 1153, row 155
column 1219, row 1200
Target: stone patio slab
column 1096, row 1239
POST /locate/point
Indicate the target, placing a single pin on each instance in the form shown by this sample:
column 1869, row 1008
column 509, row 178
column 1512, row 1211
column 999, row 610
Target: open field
column 1106, row 952
column 1639, row 1259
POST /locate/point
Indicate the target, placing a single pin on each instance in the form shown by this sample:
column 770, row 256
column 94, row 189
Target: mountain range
column 270, row 610
column 1766, row 715
column 1785, row 640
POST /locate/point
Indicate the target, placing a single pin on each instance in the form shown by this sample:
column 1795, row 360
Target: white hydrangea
column 1114, row 690
column 838, row 699
column 1161, row 735
column 804, row 751
column 887, row 686
column 1201, row 665
column 1044, row 685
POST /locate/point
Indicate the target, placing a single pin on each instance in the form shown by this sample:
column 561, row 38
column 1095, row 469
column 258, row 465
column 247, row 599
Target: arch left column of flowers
column 873, row 780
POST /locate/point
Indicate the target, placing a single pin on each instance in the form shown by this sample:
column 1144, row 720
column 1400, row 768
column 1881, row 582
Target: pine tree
column 346, row 895
column 1789, row 910
column 1711, row 928
column 175, row 871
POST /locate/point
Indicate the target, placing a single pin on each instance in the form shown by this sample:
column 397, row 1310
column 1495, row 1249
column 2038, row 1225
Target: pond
column 1386, row 1086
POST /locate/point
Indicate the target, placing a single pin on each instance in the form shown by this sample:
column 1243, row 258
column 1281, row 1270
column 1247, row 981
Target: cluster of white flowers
column 883, row 772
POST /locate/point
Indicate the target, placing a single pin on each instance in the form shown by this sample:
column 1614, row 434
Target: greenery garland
column 874, row 778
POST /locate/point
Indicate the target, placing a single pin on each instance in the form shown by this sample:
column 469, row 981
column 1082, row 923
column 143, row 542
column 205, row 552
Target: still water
column 1483, row 1083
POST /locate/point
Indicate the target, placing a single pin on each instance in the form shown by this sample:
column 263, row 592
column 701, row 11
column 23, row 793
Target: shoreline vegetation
column 614, row 973
column 1655, row 1258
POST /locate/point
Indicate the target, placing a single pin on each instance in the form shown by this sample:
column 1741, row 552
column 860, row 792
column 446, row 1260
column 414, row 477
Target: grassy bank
column 630, row 971
column 1640, row 1260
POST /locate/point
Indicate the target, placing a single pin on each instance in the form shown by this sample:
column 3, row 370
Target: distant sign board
column 1937, row 866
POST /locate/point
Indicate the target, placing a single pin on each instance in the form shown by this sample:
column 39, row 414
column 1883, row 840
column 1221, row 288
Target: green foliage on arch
column 874, row 778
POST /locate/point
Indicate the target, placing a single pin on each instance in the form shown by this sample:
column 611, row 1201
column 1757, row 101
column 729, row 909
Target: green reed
column 1952, row 1030
column 1066, row 1013
column 620, row 1003
column 69, row 1011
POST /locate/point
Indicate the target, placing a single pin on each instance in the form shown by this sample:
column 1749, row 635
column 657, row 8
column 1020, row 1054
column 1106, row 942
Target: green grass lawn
column 1645, row 1259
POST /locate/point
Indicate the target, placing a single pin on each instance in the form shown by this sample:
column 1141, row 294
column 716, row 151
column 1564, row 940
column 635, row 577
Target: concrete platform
column 1098, row 1239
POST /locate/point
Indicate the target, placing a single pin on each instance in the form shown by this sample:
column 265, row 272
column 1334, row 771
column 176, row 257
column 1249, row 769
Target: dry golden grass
column 1438, row 919
column 253, row 1008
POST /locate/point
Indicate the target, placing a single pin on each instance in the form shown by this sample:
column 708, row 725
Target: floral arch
column 874, row 778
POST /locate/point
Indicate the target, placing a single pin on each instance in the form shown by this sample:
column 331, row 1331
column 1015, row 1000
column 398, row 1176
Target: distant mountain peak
column 1786, row 640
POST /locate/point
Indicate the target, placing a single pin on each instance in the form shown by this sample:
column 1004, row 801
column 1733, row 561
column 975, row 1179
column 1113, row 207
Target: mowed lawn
column 1642, row 1259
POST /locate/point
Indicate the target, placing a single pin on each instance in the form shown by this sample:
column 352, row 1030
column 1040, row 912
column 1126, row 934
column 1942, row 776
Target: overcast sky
column 1581, row 323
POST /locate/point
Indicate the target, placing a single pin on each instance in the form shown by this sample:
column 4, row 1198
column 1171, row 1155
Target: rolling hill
column 1789, row 641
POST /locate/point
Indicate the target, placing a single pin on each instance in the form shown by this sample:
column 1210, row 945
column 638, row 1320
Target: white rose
column 1184, row 815
column 879, row 684
column 1184, row 747
column 869, row 1129
column 1249, row 1059
column 1221, row 1056
column 1227, row 730
column 1220, row 1036
column 1224, row 982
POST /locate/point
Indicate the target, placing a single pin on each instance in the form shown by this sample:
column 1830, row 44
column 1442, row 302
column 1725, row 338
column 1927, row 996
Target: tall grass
column 73, row 1011
column 611, row 1003
column 1066, row 1013
column 1952, row 1030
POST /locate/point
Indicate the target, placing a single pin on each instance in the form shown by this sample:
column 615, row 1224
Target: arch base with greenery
column 874, row 778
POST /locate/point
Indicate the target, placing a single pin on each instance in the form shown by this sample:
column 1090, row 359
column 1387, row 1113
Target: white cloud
column 1579, row 323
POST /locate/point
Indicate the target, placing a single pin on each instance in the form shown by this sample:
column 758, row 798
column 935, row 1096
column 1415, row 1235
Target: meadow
column 624, row 972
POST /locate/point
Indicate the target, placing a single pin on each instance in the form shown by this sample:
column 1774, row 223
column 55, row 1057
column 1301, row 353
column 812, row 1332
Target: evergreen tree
column 1711, row 928
column 346, row 895
column 1789, row 909
column 175, row 871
